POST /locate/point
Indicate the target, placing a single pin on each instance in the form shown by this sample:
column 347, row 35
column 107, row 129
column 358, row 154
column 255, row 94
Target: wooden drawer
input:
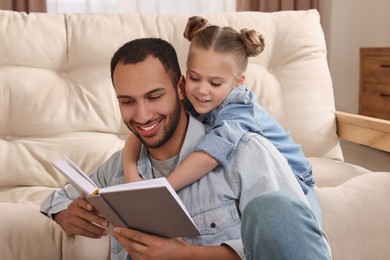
column 374, row 97
column 376, row 69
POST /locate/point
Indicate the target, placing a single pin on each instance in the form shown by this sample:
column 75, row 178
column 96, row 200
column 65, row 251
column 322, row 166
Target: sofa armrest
column 368, row 131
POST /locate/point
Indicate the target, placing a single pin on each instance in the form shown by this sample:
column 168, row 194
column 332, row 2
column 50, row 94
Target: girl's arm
column 130, row 158
column 227, row 128
column 232, row 120
column 231, row 123
column 195, row 166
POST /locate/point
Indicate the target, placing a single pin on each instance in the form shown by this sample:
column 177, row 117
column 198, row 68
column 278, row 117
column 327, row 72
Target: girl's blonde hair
column 242, row 45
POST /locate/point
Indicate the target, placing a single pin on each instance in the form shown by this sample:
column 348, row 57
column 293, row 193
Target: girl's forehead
column 198, row 49
column 198, row 53
column 210, row 57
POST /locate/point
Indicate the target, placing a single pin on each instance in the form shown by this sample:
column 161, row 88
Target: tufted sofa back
column 56, row 95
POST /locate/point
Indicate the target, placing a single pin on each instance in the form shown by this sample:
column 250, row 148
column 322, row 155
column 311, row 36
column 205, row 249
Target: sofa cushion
column 36, row 236
column 331, row 173
column 356, row 216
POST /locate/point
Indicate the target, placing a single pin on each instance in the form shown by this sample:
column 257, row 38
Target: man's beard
column 173, row 120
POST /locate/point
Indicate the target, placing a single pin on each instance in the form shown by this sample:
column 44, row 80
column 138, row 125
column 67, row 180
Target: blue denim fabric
column 217, row 200
column 241, row 113
column 276, row 225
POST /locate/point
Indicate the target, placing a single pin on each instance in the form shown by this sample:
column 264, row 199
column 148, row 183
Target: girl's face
column 210, row 78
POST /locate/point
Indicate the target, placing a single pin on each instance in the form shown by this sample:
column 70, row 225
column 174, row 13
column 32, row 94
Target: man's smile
column 149, row 129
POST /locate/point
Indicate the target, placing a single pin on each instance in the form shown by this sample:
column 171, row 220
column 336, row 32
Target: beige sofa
column 56, row 98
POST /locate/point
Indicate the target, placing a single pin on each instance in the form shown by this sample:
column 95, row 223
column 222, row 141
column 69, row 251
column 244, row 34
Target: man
column 149, row 88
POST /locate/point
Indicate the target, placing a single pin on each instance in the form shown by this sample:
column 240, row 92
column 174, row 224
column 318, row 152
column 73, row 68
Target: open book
column 151, row 206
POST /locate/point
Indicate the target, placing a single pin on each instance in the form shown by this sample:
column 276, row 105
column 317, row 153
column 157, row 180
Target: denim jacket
column 240, row 113
column 216, row 201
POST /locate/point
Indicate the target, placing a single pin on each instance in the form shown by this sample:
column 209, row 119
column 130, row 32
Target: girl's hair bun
column 195, row 25
column 253, row 41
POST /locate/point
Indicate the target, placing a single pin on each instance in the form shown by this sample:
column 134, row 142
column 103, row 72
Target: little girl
column 216, row 64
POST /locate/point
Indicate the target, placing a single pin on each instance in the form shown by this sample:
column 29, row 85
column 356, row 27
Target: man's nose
column 142, row 113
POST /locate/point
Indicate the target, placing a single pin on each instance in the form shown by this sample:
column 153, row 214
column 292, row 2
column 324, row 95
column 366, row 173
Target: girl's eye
column 215, row 84
column 194, row 79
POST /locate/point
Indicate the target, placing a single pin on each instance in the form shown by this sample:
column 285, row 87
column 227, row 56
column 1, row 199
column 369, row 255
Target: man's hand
column 144, row 246
column 79, row 219
column 141, row 245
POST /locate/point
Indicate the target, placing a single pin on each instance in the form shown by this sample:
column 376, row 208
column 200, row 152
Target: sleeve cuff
column 221, row 149
column 237, row 246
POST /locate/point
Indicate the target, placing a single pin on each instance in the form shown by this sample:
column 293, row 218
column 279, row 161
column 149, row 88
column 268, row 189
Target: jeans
column 314, row 204
column 276, row 225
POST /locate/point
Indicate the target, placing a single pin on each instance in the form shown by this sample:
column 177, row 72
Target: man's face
column 149, row 104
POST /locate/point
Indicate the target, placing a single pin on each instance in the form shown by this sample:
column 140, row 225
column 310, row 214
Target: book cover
column 151, row 206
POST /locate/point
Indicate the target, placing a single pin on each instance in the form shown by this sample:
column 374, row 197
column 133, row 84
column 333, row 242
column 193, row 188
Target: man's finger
column 90, row 213
column 81, row 202
column 131, row 234
column 132, row 240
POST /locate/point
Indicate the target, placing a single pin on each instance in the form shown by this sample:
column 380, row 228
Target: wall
column 349, row 25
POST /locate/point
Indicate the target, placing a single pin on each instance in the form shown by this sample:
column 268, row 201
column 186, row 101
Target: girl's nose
column 202, row 89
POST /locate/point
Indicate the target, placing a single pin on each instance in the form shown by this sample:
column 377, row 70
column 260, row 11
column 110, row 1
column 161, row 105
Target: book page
column 78, row 169
column 79, row 180
column 152, row 183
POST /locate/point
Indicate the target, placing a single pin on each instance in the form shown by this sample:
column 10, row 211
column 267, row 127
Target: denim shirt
column 216, row 201
column 240, row 113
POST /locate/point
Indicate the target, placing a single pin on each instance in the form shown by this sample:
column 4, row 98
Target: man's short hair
column 138, row 50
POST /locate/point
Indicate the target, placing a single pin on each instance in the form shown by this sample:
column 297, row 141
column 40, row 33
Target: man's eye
column 126, row 102
column 155, row 97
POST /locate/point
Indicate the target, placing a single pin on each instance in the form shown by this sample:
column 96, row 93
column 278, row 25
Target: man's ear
column 181, row 87
column 240, row 80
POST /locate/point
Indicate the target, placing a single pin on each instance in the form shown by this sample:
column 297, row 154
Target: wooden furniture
column 375, row 82
column 368, row 131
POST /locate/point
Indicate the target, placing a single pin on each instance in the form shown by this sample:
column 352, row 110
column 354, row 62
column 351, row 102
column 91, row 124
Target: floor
column 366, row 157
